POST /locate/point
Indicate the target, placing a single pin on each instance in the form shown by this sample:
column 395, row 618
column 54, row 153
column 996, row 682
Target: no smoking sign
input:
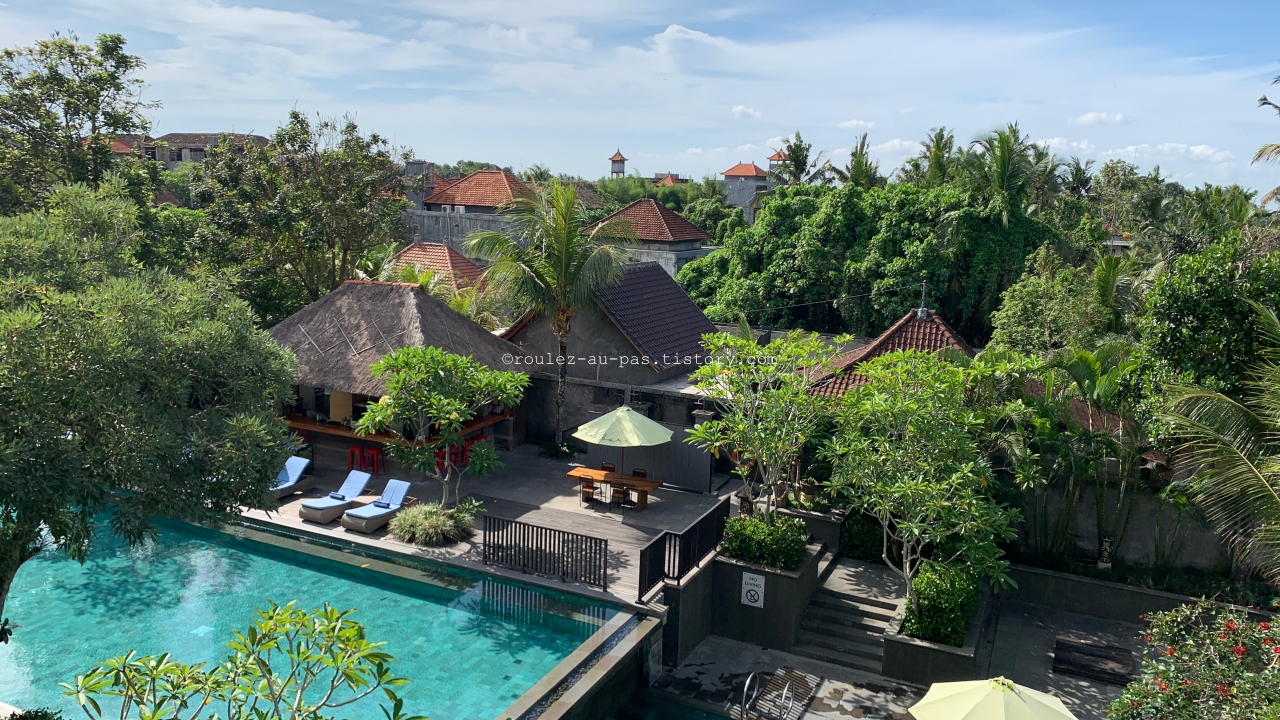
column 753, row 590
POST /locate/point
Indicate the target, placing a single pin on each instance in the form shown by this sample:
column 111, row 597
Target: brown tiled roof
column 920, row 329
column 651, row 222
column 209, row 139
column 123, row 144
column 656, row 315
column 778, row 157
column 667, row 180
column 441, row 182
column 745, row 170
column 447, row 262
column 482, row 188
column 618, row 156
column 340, row 336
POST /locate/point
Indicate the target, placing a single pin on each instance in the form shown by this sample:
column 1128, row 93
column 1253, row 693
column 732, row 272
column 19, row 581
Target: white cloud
column 744, row 111
column 693, row 151
column 1098, row 118
column 1207, row 153
column 746, row 148
column 1061, row 144
column 896, row 145
column 907, row 110
column 855, row 123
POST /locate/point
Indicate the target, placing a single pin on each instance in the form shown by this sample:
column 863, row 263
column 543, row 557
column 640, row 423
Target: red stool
column 372, row 461
column 355, row 460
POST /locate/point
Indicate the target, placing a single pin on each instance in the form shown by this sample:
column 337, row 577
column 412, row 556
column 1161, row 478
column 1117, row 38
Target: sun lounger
column 294, row 477
column 370, row 517
column 327, row 509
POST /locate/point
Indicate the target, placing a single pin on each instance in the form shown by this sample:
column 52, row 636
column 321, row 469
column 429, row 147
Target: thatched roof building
column 338, row 337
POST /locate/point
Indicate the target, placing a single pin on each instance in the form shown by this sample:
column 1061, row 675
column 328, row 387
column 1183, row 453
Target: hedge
column 778, row 543
column 945, row 598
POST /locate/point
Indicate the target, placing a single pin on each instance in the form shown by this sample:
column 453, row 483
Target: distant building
column 449, row 265
column 745, row 181
column 777, row 159
column 664, row 237
column 483, row 191
column 177, row 148
column 618, row 165
column 668, row 180
column 921, row 329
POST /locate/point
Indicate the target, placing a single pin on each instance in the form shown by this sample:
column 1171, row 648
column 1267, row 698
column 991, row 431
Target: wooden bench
column 1105, row 663
column 588, row 478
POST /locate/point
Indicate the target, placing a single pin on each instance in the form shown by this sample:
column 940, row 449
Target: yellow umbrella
column 995, row 699
column 623, row 428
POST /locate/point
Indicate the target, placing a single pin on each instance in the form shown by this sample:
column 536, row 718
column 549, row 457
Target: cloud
column 693, row 151
column 1098, row 118
column 907, row 110
column 855, row 123
column 744, row 111
column 896, row 145
column 1062, row 144
column 1199, row 152
column 747, row 147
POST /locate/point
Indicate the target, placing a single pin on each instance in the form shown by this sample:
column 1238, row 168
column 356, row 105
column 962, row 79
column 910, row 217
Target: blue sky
column 694, row 87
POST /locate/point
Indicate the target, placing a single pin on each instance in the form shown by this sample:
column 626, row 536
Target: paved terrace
column 530, row 489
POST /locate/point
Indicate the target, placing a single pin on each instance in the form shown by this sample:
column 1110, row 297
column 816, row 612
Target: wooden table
column 588, row 478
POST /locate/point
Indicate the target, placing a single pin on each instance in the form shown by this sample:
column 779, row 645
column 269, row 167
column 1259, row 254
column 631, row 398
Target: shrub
column 37, row 715
column 430, row 525
column 1203, row 662
column 778, row 542
column 945, row 597
column 862, row 538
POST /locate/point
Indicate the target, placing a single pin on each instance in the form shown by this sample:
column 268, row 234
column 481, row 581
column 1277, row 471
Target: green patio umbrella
column 995, row 699
column 623, row 428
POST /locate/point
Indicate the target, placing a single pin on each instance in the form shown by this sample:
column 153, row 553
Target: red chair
column 372, row 461
column 355, row 458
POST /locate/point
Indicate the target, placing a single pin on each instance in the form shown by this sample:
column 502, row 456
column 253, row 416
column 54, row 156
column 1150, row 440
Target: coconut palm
column 554, row 263
column 999, row 167
column 801, row 166
column 479, row 303
column 1078, row 180
column 1234, row 448
column 1271, row 151
column 861, row 171
column 1046, row 178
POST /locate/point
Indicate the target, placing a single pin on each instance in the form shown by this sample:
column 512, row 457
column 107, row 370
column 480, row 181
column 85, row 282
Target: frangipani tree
column 768, row 411
column 435, row 394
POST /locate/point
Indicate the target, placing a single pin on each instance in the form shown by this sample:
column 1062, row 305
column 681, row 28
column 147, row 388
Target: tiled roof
column 129, row 143
column 447, row 262
column 778, row 157
column 209, row 139
column 441, row 182
column 482, row 188
column 745, row 170
column 652, row 222
column 656, row 315
column 667, row 180
column 920, row 329
column 618, row 157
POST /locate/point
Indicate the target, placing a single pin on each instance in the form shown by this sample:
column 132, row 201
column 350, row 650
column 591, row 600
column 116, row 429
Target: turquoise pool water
column 469, row 645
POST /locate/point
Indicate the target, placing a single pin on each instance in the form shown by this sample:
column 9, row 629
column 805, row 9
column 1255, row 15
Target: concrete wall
column 742, row 189
column 923, row 662
column 786, row 595
column 451, row 228
column 823, row 527
column 595, row 345
column 689, row 612
column 670, row 258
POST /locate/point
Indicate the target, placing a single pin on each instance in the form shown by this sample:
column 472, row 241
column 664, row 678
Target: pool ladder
column 748, row 709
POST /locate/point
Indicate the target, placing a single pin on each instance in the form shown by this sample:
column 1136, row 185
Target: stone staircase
column 846, row 618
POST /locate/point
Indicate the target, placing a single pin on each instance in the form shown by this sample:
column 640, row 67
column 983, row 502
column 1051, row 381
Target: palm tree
column 1271, row 151
column 1234, row 449
column 554, row 264
column 477, row 302
column 1078, row 182
column 937, row 162
column 861, row 171
column 1046, row 178
column 1000, row 168
column 801, row 167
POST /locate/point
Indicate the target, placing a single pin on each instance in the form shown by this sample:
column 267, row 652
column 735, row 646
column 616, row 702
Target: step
column 874, row 612
column 835, row 657
column 826, row 565
column 836, row 618
column 890, row 605
column 865, row 636
column 849, row 647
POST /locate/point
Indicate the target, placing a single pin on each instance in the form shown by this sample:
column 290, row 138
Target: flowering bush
column 1204, row 662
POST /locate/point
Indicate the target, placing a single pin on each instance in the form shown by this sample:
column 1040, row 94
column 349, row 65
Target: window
column 197, row 154
column 175, row 154
column 150, row 153
column 761, row 188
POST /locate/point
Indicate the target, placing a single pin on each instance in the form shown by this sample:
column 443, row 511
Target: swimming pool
column 470, row 645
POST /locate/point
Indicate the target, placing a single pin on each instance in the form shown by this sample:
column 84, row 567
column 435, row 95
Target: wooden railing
column 671, row 556
column 546, row 551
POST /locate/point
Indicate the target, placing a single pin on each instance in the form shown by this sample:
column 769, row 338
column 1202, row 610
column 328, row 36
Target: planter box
column 786, row 595
column 924, row 662
column 1099, row 598
column 823, row 527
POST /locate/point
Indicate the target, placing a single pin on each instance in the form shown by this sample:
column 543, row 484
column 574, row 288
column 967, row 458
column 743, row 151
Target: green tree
column 1271, row 151
column 861, row 170
column 300, row 212
column 904, row 452
column 1204, row 662
column 801, row 166
column 61, row 104
column 1000, row 167
column 767, row 409
column 555, row 264
column 122, row 392
column 937, row 164
column 291, row 664
column 1078, row 179
column 435, row 394
column 1051, row 307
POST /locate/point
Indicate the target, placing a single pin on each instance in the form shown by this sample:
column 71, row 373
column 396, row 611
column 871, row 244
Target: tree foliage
column 1051, row 307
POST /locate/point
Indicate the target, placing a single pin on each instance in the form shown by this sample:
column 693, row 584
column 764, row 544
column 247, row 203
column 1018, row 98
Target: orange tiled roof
column 618, row 157
column 447, row 262
column 123, row 144
column 920, row 329
column 667, row 180
column 778, row 157
column 652, row 222
column 441, row 182
column 745, row 170
column 482, row 188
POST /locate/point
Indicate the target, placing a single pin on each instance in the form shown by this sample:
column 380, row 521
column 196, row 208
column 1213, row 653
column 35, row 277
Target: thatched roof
column 338, row 337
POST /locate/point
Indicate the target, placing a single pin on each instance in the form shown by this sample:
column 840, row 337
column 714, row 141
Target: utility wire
column 833, row 300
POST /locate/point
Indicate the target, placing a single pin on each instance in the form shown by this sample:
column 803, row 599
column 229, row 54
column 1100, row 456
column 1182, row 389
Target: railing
column 546, row 551
column 674, row 555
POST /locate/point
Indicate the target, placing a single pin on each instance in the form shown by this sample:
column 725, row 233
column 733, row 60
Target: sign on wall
column 752, row 589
